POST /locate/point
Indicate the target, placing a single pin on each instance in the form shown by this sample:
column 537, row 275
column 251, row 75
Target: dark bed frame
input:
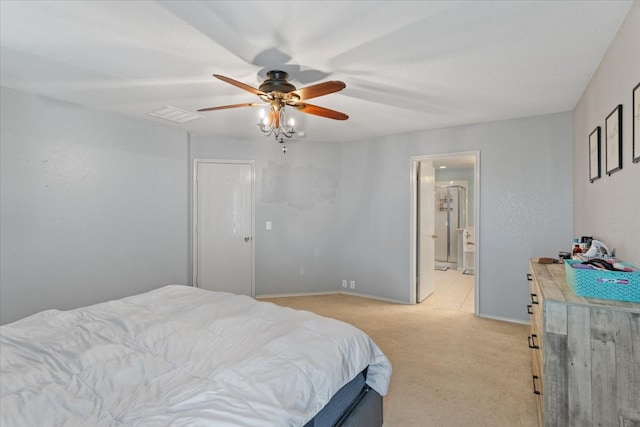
column 366, row 413
column 354, row 405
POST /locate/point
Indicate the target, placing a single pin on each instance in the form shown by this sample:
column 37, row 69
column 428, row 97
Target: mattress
column 180, row 356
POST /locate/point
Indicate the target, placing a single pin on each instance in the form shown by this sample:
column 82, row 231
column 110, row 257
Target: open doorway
column 458, row 213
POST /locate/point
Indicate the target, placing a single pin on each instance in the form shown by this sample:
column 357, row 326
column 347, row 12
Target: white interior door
column 223, row 225
column 425, row 229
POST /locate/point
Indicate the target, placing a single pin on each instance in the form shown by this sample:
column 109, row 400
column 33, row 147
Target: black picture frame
column 594, row 154
column 635, row 120
column 613, row 140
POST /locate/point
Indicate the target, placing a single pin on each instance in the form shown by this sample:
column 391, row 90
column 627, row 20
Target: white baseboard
column 297, row 294
column 353, row 294
column 504, row 319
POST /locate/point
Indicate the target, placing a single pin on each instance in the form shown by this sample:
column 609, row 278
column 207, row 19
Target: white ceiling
column 408, row 65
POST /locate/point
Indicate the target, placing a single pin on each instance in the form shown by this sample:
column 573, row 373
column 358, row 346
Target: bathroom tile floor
column 452, row 291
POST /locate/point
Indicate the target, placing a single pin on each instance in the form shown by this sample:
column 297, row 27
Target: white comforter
column 179, row 356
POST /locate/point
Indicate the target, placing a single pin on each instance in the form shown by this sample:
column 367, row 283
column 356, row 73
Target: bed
column 184, row 356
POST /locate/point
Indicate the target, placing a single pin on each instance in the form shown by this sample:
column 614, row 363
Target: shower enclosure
column 450, row 215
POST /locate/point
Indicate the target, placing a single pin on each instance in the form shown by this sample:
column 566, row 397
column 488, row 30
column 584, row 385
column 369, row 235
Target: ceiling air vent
column 175, row 115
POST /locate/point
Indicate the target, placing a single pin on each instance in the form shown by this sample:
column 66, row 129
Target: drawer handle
column 532, row 341
column 529, row 309
column 529, row 278
column 534, row 298
column 535, row 390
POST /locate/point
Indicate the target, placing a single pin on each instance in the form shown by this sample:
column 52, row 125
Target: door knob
column 434, row 236
column 247, row 238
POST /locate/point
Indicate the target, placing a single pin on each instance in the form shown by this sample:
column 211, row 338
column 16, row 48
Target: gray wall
column 609, row 208
column 96, row 206
column 299, row 192
column 93, row 206
column 525, row 205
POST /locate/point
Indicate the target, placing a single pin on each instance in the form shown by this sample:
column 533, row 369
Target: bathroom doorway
column 452, row 169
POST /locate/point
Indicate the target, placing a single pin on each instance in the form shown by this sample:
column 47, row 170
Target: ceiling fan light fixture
column 275, row 123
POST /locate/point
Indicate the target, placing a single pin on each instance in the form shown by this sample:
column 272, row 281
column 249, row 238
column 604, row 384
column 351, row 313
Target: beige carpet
column 450, row 368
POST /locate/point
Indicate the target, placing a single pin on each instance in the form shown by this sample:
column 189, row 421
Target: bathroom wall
column 447, row 222
column 462, row 174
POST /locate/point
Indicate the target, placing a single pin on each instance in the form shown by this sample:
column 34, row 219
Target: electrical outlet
column 352, row 284
column 344, row 283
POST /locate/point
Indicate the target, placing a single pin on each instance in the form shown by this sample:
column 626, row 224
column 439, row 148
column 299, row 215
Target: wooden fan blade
column 225, row 107
column 241, row 85
column 321, row 111
column 320, row 89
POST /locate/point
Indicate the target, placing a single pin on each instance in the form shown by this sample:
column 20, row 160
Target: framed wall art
column 613, row 140
column 594, row 154
column 636, row 124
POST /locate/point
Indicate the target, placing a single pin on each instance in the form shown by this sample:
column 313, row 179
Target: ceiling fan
column 278, row 93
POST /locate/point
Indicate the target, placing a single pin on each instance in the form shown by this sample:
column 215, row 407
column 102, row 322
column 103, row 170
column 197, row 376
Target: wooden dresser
column 585, row 354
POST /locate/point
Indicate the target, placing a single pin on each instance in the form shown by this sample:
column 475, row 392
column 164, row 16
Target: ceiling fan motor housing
column 277, row 82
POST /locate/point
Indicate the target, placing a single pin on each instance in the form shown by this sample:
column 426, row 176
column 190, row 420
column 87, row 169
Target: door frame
column 413, row 224
column 194, row 216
